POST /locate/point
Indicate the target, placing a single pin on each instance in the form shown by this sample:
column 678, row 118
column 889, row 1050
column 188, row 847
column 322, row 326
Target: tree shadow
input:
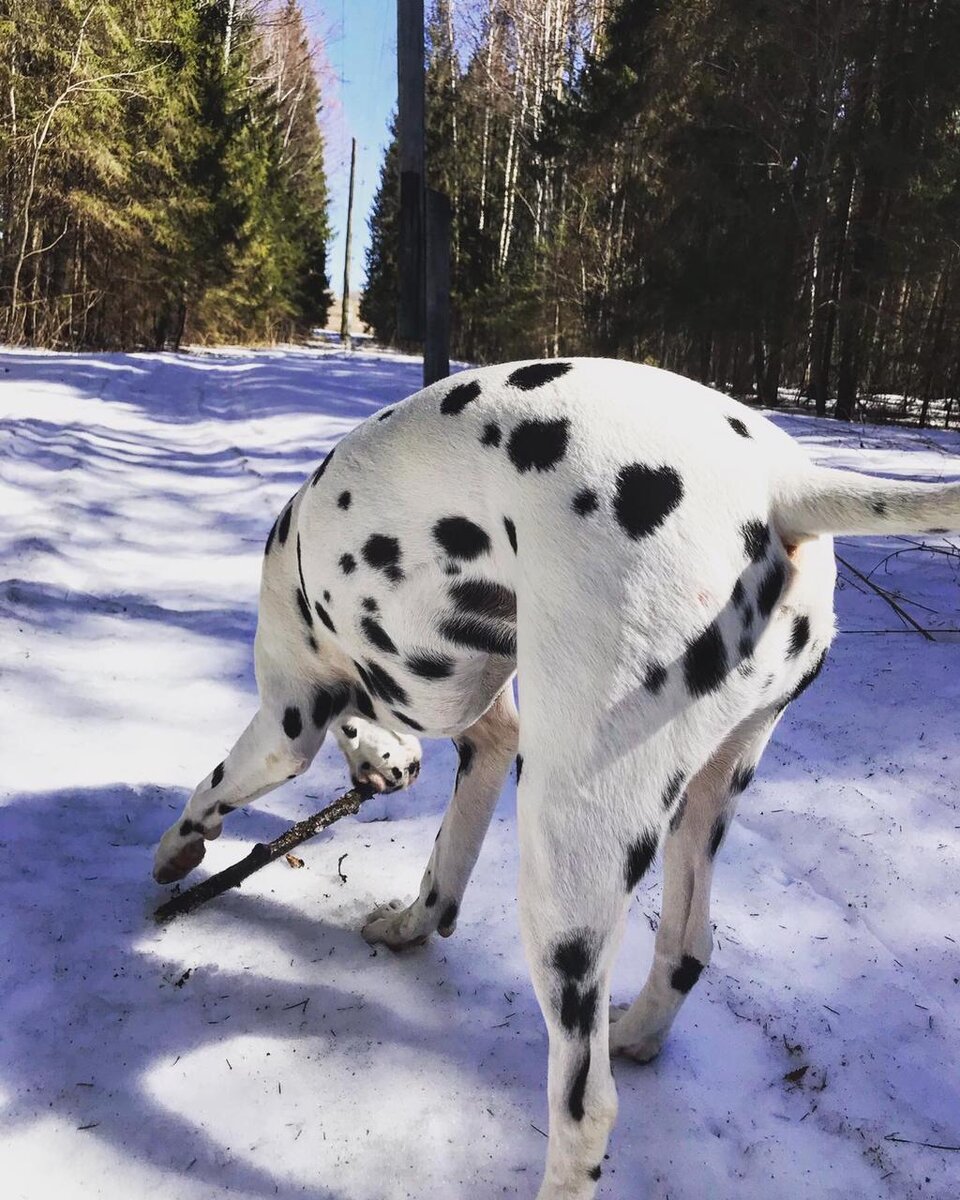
column 198, row 386
column 95, row 1006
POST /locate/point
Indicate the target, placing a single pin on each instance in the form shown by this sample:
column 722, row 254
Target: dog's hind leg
column 685, row 939
column 576, row 870
column 486, row 750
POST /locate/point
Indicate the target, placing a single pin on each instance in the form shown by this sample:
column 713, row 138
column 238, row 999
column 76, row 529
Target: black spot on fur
column 639, row 857
column 217, row 777
column 349, row 731
column 578, row 1009
column 771, row 587
column 595, row 1172
column 578, row 1088
column 748, row 615
column 370, row 605
column 717, row 835
column 383, row 554
column 677, row 819
column 673, row 789
column 387, row 412
column 284, row 527
column 742, row 778
column 292, row 722
column 348, row 564
column 745, row 647
column 318, row 473
column 223, row 809
column 326, row 597
column 738, row 595
column 429, row 666
column 343, row 500
column 324, row 616
column 738, row 426
column 585, row 502
column 574, row 956
column 465, row 751
column 485, row 598
column 537, row 374
column 538, row 445
column 382, row 684
column 938, row 530
column 705, row 661
column 799, row 635
column 756, row 540
column 687, row 974
column 270, row 536
column 408, row 721
column 519, row 766
column 363, row 704
column 448, row 917
column 491, row 435
column 431, row 898
column 461, row 538
column 807, row 679
column 188, row 827
column 880, row 507
column 304, row 609
column 377, row 635
column 459, row 396
column 329, row 703
column 477, row 634
column 511, row 533
column 645, row 497
column 655, row 678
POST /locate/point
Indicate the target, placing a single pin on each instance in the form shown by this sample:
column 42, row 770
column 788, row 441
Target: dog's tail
column 823, row 500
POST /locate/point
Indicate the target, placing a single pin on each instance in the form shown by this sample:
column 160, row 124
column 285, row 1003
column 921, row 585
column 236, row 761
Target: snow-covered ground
column 259, row 1047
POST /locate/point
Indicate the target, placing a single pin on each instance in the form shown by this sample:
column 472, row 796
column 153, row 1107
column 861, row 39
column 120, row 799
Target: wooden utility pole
column 423, row 312
column 345, row 304
column 436, row 341
column 410, row 126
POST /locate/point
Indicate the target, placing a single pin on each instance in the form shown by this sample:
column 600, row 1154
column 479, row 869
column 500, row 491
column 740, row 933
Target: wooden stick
column 263, row 853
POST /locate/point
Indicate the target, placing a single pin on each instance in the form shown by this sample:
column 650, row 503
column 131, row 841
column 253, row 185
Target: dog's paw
column 385, row 761
column 626, row 1041
column 398, row 925
column 177, row 855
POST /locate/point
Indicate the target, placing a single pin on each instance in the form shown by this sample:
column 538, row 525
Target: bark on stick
column 263, row 853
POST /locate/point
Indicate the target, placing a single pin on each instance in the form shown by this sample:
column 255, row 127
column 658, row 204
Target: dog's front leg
column 486, row 751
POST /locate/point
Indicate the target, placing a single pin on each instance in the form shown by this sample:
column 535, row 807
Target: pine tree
column 378, row 303
column 162, row 173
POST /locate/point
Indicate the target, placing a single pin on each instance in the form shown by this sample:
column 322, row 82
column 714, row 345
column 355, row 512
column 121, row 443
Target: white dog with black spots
column 653, row 559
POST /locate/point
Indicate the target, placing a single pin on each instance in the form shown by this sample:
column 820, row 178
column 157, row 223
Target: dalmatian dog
column 654, row 561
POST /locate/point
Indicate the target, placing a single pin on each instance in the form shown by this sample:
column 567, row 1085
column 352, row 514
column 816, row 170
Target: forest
column 762, row 196
column 161, row 173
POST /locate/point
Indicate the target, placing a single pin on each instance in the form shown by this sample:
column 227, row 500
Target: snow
column 259, row 1047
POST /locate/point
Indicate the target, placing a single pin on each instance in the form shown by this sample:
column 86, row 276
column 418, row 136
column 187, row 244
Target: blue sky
column 360, row 39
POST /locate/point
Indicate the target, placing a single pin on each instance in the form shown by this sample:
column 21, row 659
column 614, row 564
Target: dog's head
column 377, row 757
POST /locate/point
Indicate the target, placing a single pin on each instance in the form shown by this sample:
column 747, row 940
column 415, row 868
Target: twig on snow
column 885, row 595
column 894, row 1137
column 263, row 853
